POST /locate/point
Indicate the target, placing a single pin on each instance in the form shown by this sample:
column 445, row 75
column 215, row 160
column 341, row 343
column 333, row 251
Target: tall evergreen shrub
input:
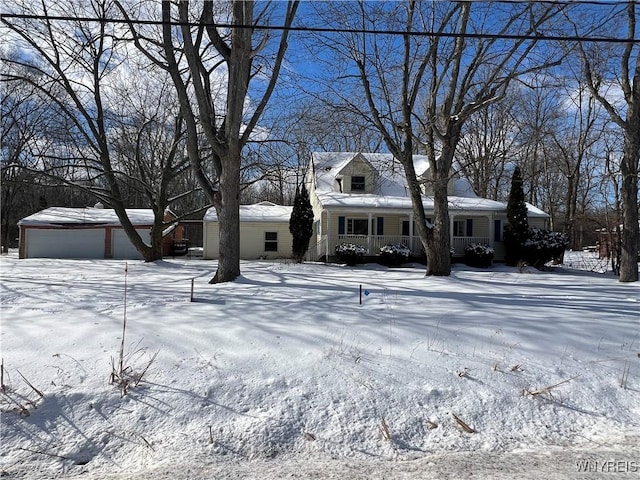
column 301, row 223
column 516, row 232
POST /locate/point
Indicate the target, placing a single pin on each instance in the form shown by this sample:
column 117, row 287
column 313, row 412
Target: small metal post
column 192, row 280
column 360, row 294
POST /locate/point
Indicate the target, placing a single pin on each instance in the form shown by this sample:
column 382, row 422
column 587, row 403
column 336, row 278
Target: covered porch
column 374, row 230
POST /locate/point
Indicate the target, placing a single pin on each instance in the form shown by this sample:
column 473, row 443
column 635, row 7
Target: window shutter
column 469, row 227
column 497, row 230
column 340, row 225
column 380, row 228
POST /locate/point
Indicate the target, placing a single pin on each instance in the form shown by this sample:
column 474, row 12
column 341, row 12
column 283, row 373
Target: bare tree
column 21, row 117
column 575, row 144
column 148, row 148
column 487, row 145
column 74, row 65
column 421, row 102
column 212, row 67
column 626, row 76
column 32, row 127
column 298, row 129
column 539, row 118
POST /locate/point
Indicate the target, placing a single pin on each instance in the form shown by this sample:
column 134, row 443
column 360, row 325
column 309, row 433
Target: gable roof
column 66, row 216
column 392, row 192
column 327, row 166
column 258, row 212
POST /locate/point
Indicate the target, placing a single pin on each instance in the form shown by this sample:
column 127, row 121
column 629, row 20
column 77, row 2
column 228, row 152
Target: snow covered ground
column 285, row 373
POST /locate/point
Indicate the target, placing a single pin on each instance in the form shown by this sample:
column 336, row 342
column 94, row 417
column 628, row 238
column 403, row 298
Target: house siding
column 252, row 240
column 210, row 242
column 480, row 224
column 358, row 167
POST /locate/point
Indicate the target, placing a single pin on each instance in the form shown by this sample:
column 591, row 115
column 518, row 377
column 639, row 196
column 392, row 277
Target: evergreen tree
column 517, row 228
column 301, row 223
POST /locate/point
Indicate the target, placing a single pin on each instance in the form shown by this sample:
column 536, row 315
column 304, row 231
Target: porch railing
column 373, row 243
column 315, row 252
column 459, row 243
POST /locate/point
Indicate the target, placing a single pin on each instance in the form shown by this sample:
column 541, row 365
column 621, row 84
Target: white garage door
column 67, row 243
column 122, row 246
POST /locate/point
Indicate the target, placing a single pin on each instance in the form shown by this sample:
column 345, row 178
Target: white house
column 264, row 232
column 94, row 232
column 363, row 198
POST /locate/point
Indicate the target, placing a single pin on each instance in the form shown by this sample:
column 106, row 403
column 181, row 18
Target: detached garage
column 60, row 232
column 264, row 232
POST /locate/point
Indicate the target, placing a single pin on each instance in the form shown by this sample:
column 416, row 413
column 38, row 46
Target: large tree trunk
column 438, row 255
column 228, row 197
column 630, row 229
column 228, row 209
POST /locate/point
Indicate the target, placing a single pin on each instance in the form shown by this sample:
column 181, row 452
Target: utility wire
column 537, row 37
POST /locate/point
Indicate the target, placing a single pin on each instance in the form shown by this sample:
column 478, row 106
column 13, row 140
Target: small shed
column 609, row 240
column 93, row 232
column 264, row 232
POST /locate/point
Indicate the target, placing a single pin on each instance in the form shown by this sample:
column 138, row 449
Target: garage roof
column 258, row 212
column 65, row 216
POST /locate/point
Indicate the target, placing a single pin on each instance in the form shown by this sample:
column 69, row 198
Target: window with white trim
column 459, row 228
column 270, row 241
column 358, row 183
column 357, row 226
column 463, row 228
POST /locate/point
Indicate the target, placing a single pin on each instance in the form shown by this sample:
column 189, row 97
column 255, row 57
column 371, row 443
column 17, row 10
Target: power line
column 537, row 37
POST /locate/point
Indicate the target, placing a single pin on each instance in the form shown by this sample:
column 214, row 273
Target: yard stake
column 361, row 294
column 191, row 300
column 124, row 322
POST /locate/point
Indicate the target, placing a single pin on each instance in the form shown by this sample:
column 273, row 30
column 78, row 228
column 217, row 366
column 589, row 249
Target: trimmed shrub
column 394, row 254
column 478, row 255
column 350, row 253
column 544, row 246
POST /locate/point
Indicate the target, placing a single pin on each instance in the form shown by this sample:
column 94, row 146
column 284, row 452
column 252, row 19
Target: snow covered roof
column 258, row 212
column 328, row 165
column 535, row 211
column 66, row 216
column 378, row 202
column 393, row 192
column 391, row 179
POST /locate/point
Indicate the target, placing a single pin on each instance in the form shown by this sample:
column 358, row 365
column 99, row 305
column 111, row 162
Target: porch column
column 451, row 236
column 492, row 236
column 411, row 246
column 327, row 234
column 370, row 232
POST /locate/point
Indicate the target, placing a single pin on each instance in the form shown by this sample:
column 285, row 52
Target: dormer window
column 357, row 183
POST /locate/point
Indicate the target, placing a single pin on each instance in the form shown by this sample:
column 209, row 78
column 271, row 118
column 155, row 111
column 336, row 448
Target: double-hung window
column 357, row 226
column 357, row 183
column 270, row 241
column 463, row 228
